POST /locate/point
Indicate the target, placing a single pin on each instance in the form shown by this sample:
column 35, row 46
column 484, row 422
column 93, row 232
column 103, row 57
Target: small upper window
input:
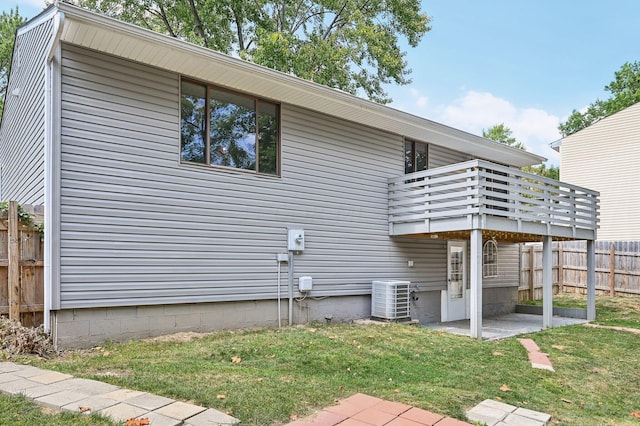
column 415, row 156
column 490, row 259
column 229, row 129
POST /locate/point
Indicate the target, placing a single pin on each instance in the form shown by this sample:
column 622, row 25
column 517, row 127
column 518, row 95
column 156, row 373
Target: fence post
column 532, row 273
column 560, row 268
column 612, row 269
column 13, row 269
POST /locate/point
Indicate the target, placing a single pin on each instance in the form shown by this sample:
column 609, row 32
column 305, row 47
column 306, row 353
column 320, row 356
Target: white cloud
column 420, row 100
column 476, row 111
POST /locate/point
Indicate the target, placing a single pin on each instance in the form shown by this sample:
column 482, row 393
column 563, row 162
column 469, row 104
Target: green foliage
column 503, row 134
column 625, row 91
column 24, row 216
column 9, row 22
column 349, row 45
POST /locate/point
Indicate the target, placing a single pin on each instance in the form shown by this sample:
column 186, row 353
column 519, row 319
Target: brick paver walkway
column 538, row 358
column 365, row 410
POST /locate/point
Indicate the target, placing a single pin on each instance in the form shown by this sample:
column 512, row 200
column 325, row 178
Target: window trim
column 490, row 270
column 413, row 154
column 207, row 153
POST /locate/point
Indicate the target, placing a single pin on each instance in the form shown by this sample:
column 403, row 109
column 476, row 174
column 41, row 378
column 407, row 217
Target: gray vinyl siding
column 508, row 267
column 440, row 156
column 22, row 138
column 138, row 227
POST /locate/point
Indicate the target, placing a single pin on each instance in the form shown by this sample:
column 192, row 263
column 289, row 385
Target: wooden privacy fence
column 617, row 268
column 21, row 264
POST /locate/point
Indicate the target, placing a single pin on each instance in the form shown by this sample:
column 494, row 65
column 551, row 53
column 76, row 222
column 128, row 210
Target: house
column 604, row 156
column 189, row 190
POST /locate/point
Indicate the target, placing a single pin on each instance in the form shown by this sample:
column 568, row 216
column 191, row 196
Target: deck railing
column 477, row 187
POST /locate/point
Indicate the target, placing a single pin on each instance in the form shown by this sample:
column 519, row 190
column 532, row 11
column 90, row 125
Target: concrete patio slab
column 123, row 411
column 495, row 413
column 49, row 377
column 93, row 403
column 211, row 417
column 60, row 399
column 180, row 410
column 503, row 326
column 156, row 419
column 43, row 390
column 15, row 387
column 149, row 401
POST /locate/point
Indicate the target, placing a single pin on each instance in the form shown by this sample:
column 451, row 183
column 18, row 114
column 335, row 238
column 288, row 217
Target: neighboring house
column 605, row 157
column 189, row 190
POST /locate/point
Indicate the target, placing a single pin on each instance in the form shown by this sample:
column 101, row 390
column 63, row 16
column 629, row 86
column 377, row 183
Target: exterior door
column 456, row 280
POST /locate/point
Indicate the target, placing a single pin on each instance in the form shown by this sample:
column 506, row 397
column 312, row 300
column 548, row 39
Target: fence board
column 617, row 268
column 21, row 256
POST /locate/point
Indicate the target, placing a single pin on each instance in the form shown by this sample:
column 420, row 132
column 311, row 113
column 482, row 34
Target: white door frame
column 455, row 300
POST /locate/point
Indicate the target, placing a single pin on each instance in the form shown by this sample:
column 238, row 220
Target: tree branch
column 162, row 14
column 198, row 22
column 335, row 20
column 241, row 46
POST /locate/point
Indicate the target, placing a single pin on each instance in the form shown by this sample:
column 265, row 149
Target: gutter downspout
column 52, row 178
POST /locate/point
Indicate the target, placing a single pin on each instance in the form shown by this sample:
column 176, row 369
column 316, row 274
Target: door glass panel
column 456, row 269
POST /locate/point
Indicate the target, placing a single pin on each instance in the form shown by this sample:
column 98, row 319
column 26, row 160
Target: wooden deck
column 505, row 203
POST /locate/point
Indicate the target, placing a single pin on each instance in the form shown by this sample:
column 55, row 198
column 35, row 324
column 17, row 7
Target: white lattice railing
column 480, row 187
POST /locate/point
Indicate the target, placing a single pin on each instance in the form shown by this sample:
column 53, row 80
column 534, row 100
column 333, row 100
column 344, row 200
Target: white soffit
column 101, row 33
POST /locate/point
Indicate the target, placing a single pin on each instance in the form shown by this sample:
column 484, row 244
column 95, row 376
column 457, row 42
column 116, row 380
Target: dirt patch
column 184, row 336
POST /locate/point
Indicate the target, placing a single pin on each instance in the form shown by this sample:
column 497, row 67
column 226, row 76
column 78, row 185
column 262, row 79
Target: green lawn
column 265, row 376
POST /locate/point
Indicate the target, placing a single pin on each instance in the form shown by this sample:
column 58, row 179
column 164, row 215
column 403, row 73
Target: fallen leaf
column 558, row 347
column 568, row 401
column 396, row 390
column 341, row 388
column 272, row 356
column 312, row 330
column 137, row 422
column 221, row 396
column 84, row 409
column 505, row 388
column 260, row 379
column 106, row 353
column 498, row 398
column 293, row 417
column 229, row 412
column 498, row 353
column 636, row 414
column 236, row 359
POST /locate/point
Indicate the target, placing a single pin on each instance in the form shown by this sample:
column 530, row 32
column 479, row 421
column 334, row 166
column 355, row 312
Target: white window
column 490, row 259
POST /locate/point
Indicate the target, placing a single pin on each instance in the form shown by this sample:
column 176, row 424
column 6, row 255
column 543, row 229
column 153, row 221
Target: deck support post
column 547, row 282
column 591, row 280
column 476, row 284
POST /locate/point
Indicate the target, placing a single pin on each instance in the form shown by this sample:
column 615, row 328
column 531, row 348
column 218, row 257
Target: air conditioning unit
column 390, row 300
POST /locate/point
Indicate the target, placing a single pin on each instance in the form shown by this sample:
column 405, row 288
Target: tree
column 9, row 22
column 352, row 45
column 503, row 134
column 625, row 91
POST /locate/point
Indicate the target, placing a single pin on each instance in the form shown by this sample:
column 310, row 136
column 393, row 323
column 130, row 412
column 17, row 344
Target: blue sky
column 526, row 64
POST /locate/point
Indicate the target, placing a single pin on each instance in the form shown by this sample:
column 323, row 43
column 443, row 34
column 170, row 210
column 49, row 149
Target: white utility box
column 295, row 241
column 305, row 284
column 391, row 300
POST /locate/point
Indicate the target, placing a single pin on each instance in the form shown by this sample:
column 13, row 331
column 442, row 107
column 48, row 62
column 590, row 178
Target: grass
column 268, row 376
column 19, row 410
column 616, row 311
